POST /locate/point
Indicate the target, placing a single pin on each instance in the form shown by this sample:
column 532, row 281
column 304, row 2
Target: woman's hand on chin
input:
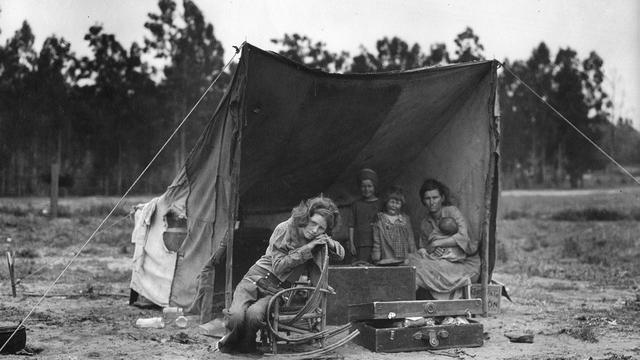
column 422, row 252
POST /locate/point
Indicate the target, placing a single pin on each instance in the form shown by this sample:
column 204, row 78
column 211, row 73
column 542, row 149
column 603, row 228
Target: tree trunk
column 560, row 171
column 181, row 153
column 11, row 175
column 53, row 203
column 3, row 182
column 613, row 141
column 55, row 177
column 119, row 172
column 543, row 162
column 34, row 165
column 20, row 174
column 538, row 176
column 573, row 181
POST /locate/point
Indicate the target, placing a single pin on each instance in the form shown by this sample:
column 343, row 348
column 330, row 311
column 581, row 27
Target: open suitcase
column 381, row 325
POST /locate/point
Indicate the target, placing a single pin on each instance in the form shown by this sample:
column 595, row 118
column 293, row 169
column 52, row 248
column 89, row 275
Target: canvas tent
column 284, row 132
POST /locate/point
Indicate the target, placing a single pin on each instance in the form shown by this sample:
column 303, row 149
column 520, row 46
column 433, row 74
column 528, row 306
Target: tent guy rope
column 624, row 170
column 237, row 50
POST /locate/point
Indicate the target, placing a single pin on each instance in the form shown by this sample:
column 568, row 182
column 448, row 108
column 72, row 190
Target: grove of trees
column 101, row 118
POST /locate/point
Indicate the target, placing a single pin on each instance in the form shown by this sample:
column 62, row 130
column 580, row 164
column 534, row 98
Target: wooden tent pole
column 485, row 258
column 235, row 109
column 233, row 211
column 233, row 216
column 228, row 290
column 489, row 189
column 487, row 234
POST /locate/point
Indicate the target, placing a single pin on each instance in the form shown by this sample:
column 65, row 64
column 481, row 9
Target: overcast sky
column 507, row 29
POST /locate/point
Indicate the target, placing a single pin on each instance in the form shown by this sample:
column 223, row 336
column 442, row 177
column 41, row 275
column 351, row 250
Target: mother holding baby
column 447, row 259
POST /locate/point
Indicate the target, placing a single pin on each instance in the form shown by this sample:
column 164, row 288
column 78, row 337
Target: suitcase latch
column 433, row 339
column 429, row 308
column 432, row 336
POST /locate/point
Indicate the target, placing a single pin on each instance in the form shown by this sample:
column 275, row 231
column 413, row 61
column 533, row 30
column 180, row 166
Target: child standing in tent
column 363, row 215
column 392, row 232
column 293, row 249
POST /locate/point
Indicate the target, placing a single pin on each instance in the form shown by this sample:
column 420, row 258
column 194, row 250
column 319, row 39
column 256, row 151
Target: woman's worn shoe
column 223, row 347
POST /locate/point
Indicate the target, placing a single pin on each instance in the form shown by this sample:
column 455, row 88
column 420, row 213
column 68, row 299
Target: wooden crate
column 361, row 284
column 474, row 291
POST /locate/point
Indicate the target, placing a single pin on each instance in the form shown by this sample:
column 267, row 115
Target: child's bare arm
column 375, row 251
column 352, row 245
column 412, row 240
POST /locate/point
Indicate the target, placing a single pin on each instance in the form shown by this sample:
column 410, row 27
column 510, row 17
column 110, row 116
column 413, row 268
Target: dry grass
column 69, row 207
column 42, row 245
column 558, row 234
column 544, row 204
column 531, row 243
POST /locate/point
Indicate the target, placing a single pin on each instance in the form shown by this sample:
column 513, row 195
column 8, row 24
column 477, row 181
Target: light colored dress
column 443, row 276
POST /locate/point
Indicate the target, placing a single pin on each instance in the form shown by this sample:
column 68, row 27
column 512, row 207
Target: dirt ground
column 576, row 305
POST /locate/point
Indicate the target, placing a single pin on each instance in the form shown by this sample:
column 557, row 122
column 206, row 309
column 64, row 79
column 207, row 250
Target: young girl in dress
column 392, row 232
column 363, row 215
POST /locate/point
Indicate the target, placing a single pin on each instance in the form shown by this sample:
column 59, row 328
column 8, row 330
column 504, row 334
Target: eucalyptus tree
column 17, row 64
column 189, row 57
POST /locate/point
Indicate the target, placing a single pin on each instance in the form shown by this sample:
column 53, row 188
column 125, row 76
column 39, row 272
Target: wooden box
column 390, row 310
column 381, row 325
column 381, row 336
column 362, row 284
column 494, row 291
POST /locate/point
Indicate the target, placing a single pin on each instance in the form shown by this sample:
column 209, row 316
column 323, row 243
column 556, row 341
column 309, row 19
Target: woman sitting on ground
column 444, row 263
column 292, row 252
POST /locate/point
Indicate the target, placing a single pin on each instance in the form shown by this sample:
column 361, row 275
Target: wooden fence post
column 12, row 275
